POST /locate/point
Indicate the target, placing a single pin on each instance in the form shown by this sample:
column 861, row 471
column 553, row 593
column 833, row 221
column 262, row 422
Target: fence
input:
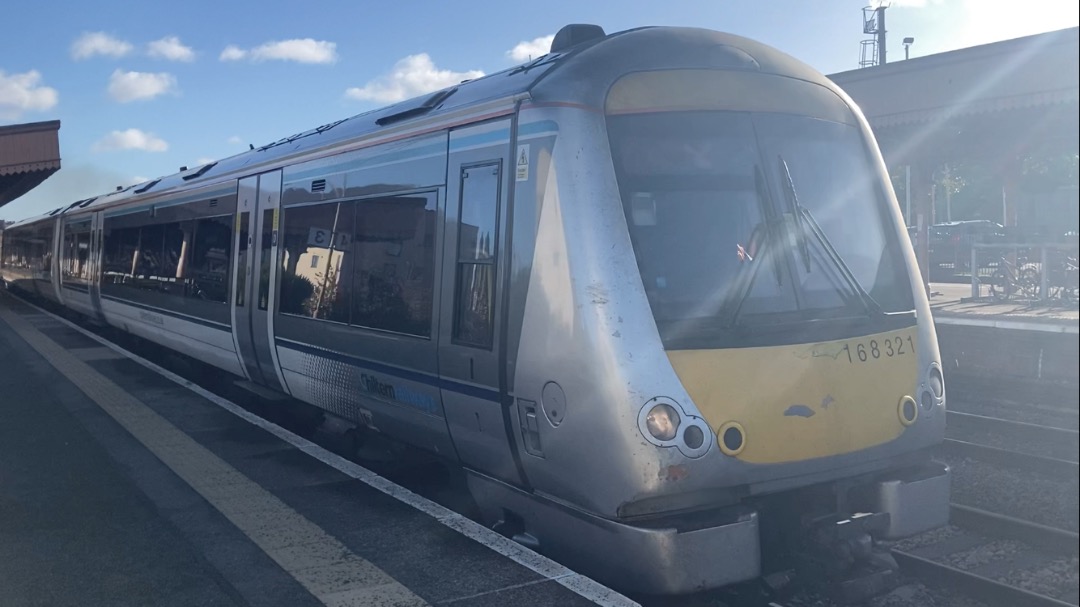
column 1038, row 273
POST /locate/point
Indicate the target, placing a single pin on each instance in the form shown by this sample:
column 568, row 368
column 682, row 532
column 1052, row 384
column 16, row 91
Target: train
column 651, row 291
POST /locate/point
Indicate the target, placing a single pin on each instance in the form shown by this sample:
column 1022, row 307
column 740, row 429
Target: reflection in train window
column 393, row 275
column 369, row 263
column 210, row 260
column 167, row 262
column 478, row 215
column 318, row 253
column 242, row 259
column 75, row 254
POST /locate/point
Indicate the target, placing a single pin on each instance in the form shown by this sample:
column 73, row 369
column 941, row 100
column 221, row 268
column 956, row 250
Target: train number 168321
column 886, row 347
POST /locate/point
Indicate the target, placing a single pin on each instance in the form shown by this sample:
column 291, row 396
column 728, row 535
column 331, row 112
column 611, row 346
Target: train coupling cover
column 839, row 557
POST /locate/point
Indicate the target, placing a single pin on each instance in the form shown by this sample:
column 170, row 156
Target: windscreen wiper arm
column 744, row 279
column 803, row 216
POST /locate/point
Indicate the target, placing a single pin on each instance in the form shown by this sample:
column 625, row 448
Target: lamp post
column 907, row 45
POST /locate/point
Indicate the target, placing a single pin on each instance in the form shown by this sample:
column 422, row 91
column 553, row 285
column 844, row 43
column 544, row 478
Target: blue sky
column 143, row 88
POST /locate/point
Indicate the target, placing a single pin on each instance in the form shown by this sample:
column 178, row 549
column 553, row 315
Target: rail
column 1052, row 541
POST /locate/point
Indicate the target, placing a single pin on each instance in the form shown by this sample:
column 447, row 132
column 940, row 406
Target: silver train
column 651, row 290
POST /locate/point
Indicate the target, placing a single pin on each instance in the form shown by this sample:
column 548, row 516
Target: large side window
column 474, row 305
column 317, row 261
column 167, row 263
column 208, row 279
column 393, row 276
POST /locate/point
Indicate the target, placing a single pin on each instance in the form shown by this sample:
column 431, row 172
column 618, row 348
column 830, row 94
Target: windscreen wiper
column 744, row 280
column 803, row 217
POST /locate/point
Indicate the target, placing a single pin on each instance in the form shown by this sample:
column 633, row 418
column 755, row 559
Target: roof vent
column 574, row 34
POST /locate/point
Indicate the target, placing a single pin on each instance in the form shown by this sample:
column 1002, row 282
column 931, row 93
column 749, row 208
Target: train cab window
column 478, row 209
column 394, row 272
column 742, row 222
column 317, row 261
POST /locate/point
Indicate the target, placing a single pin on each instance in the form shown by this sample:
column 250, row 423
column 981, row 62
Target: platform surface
column 119, row 486
column 951, row 303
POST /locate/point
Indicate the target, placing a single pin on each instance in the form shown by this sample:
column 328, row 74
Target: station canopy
column 29, row 154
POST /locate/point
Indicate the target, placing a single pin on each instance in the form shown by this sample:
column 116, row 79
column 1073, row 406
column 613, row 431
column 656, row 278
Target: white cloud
column 131, row 86
column 907, row 3
column 531, row 49
column 98, row 43
column 232, row 53
column 301, row 50
column 137, row 179
column 203, row 160
column 235, row 140
column 170, row 48
column 131, row 139
column 411, row 76
column 24, row 93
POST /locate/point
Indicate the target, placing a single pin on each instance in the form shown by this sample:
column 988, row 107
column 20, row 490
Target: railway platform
column 951, row 304
column 1007, row 350
column 120, row 486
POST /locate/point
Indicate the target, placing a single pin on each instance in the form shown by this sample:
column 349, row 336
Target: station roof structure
column 993, row 98
column 29, row 154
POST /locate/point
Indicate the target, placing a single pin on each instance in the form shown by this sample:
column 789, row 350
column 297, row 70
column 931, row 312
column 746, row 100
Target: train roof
column 581, row 66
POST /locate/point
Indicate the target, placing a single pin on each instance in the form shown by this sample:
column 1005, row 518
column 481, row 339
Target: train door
column 475, row 258
column 53, row 257
column 255, row 249
column 97, row 262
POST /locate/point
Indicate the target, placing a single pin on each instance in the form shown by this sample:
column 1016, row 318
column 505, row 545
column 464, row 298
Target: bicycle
column 1011, row 279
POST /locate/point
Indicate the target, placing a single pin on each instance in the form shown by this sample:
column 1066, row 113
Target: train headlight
column 662, row 422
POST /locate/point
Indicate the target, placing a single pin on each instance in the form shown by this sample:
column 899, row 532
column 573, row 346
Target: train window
column 42, row 247
column 712, row 201
column 242, row 258
column 317, row 261
column 265, row 251
column 393, row 276
column 176, row 242
column 476, row 254
column 208, row 279
column 119, row 254
column 75, row 254
column 148, row 262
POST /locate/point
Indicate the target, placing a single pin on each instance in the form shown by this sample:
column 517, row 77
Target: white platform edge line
column 581, row 585
column 1019, row 325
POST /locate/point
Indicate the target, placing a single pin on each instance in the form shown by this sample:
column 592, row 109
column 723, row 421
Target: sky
column 144, row 88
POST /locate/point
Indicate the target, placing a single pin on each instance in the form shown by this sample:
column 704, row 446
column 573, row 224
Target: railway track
column 1065, row 417
column 996, row 559
column 1012, row 444
column 1055, row 442
column 1015, row 460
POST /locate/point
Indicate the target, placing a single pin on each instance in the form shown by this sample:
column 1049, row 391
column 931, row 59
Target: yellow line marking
column 322, row 564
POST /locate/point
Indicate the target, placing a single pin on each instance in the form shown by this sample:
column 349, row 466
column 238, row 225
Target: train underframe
column 827, row 535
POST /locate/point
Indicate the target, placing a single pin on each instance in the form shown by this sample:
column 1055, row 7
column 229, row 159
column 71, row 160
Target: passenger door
column 475, row 258
column 255, row 251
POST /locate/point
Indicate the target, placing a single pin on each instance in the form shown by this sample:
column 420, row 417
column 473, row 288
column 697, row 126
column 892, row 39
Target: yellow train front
column 723, row 362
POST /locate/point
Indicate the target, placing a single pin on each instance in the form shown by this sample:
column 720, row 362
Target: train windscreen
column 744, row 221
